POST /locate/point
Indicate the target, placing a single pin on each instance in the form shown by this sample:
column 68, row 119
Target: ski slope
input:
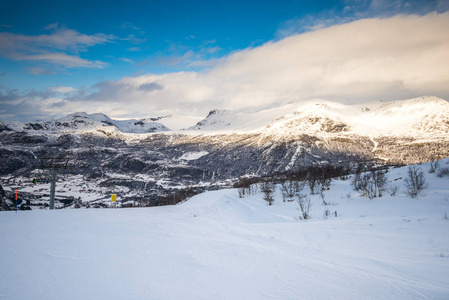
column 220, row 246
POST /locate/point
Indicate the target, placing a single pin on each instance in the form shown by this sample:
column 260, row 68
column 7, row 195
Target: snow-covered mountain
column 82, row 121
column 218, row 120
column 424, row 116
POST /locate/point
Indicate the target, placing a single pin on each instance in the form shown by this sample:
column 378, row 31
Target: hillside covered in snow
column 218, row 245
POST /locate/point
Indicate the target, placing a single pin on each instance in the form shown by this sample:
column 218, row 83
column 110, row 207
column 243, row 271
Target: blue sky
column 144, row 36
column 60, row 56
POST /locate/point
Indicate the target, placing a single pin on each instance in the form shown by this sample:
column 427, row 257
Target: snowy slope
column 220, row 120
column 230, row 121
column 220, row 246
column 424, row 116
column 177, row 122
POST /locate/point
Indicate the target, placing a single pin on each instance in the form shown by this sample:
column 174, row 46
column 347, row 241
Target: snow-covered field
column 220, row 246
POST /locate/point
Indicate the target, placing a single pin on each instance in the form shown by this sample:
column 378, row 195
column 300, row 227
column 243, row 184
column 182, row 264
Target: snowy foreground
column 218, row 246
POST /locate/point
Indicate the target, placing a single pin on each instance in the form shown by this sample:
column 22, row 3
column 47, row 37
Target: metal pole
column 52, row 188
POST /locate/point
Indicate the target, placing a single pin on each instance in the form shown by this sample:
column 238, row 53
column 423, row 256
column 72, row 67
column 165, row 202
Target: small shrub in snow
column 443, row 172
column 392, row 190
column 326, row 213
column 434, row 166
column 415, row 181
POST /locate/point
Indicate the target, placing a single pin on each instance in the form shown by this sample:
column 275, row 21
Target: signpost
column 114, row 200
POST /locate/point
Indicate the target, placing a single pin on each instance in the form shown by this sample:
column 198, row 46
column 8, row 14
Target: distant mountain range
column 81, row 121
column 155, row 154
column 420, row 117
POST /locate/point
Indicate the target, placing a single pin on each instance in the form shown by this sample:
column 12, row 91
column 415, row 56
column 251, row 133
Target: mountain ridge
column 423, row 116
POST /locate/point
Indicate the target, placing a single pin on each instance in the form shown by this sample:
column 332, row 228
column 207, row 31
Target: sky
column 137, row 59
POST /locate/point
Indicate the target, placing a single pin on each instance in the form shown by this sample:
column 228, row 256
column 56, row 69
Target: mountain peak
column 217, row 119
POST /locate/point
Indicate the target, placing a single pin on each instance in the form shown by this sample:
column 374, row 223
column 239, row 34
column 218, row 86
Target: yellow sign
column 113, row 198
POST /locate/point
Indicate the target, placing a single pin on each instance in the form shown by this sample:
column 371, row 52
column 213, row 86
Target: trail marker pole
column 16, row 201
column 114, row 200
column 52, row 188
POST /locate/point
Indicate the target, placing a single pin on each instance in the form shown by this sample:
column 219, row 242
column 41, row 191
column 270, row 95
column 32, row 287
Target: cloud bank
column 398, row 57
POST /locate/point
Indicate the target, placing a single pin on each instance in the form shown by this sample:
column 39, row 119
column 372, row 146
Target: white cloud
column 134, row 49
column 126, row 60
column 179, row 56
column 61, row 47
column 390, row 58
column 40, row 71
column 62, row 59
column 63, row 89
column 359, row 9
column 398, row 57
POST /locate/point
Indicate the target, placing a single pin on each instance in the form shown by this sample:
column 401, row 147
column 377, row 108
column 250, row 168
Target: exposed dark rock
column 34, row 126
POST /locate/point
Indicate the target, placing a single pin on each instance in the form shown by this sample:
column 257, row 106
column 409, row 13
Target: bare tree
column 324, row 182
column 370, row 184
column 290, row 188
column 267, row 189
column 312, row 182
column 415, row 181
column 246, row 186
column 380, row 182
column 304, row 205
column 241, row 191
column 357, row 181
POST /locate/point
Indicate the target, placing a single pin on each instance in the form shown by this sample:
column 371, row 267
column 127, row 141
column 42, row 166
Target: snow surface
column 178, row 122
column 193, row 155
column 220, row 246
